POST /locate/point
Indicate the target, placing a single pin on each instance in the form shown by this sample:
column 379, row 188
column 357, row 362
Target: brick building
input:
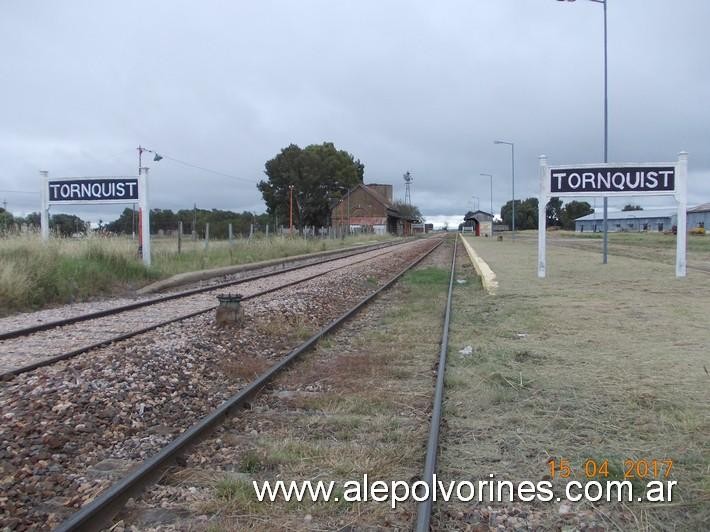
column 370, row 208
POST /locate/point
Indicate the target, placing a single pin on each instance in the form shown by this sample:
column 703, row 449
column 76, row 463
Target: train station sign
column 619, row 180
column 616, row 180
column 99, row 190
column 93, row 190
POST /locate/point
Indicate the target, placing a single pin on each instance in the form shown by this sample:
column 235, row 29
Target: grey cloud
column 403, row 85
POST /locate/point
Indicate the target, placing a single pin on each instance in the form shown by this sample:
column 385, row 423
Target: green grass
column 427, row 276
column 34, row 274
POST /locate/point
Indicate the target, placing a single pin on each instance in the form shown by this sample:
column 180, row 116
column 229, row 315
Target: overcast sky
column 402, row 85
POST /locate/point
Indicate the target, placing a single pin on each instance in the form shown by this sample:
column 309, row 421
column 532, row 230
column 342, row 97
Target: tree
column 67, row 224
column 632, row 207
column 408, row 211
column 319, row 174
column 574, row 210
column 525, row 214
column 553, row 212
column 124, row 223
column 6, row 220
column 34, row 219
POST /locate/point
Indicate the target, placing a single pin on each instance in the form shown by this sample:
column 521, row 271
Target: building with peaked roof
column 479, row 222
column 370, row 208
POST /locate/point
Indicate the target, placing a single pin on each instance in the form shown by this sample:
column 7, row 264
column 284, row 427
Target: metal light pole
column 512, row 163
column 491, row 177
column 606, row 127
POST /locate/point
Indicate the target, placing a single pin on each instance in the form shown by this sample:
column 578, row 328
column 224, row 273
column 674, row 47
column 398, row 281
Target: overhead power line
column 162, row 155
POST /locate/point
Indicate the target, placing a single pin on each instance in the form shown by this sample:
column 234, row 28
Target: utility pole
column 194, row 222
column 491, row 178
column 605, row 245
column 512, row 165
column 290, row 209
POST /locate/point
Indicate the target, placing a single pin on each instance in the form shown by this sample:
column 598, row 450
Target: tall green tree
column 553, row 212
column 573, row 210
column 525, row 214
column 319, row 174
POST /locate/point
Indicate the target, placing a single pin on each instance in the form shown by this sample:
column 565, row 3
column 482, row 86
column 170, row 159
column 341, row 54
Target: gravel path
column 71, row 428
column 22, row 351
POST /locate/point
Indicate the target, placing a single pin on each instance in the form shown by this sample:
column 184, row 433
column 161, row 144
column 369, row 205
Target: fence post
column 207, row 235
column 179, row 237
column 251, row 231
column 267, row 231
column 231, row 235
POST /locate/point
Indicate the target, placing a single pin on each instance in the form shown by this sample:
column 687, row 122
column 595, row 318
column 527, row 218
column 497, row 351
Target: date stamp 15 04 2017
column 591, row 468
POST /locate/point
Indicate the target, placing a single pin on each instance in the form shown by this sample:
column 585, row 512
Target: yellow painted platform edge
column 488, row 276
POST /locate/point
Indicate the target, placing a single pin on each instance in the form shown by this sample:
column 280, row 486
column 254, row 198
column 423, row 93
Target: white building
column 652, row 219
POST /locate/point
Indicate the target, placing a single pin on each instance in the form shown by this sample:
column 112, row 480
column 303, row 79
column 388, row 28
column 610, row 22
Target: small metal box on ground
column 229, row 311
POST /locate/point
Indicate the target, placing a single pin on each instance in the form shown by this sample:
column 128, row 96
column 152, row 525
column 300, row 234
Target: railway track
column 99, row 512
column 28, row 348
column 126, row 401
column 425, row 507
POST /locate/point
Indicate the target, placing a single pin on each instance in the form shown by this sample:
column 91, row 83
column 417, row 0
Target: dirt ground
column 594, row 362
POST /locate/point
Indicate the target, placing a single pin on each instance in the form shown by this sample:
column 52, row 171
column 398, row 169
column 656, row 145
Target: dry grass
column 34, row 274
column 653, row 246
column 603, row 362
column 244, row 368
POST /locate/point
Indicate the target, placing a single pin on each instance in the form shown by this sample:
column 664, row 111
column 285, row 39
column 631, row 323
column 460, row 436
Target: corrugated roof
column 666, row 212
column 703, row 207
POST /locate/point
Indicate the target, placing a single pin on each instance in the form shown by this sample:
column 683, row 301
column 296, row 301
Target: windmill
column 408, row 179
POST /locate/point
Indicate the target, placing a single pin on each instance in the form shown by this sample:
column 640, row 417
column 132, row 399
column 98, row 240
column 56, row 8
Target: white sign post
column 144, row 210
column 44, row 213
column 97, row 190
column 611, row 180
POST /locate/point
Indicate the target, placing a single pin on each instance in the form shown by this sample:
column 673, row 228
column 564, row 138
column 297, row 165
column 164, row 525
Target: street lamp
column 512, row 162
column 606, row 125
column 491, row 176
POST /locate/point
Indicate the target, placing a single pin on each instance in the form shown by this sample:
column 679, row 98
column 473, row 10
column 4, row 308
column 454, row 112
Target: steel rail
column 424, row 508
column 101, row 510
column 26, row 331
column 119, row 338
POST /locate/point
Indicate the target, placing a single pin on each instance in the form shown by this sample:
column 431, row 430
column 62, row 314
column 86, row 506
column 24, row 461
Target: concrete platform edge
column 488, row 277
column 181, row 279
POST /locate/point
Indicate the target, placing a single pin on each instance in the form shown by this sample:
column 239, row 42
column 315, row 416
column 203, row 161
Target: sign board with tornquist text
column 96, row 191
column 93, row 190
column 615, row 180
